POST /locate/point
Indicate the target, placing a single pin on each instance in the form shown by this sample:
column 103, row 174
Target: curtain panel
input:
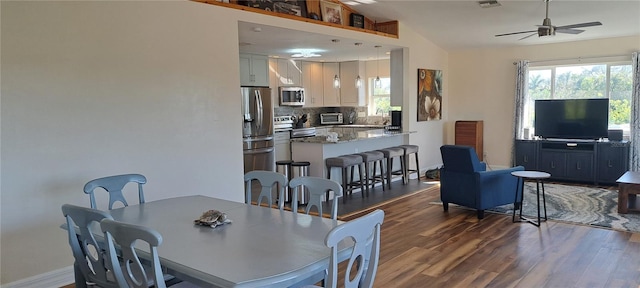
column 522, row 78
column 635, row 113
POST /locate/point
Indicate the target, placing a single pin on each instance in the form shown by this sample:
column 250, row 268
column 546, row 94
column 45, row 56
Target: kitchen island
column 316, row 149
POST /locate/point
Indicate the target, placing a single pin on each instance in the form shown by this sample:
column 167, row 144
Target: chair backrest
column 114, row 185
column 365, row 232
column 90, row 254
column 267, row 180
column 460, row 158
column 127, row 267
column 318, row 188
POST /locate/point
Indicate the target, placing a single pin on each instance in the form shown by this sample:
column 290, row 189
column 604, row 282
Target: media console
column 598, row 162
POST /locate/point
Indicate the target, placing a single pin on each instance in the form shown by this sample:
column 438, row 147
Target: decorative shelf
column 386, row 29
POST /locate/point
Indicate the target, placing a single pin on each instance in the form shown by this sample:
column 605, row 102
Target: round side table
column 538, row 177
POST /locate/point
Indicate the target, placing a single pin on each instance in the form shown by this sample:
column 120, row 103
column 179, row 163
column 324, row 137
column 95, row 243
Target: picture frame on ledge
column 331, row 12
column 291, row 7
column 356, row 20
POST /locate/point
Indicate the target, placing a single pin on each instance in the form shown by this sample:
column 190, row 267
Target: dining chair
column 363, row 263
column 114, row 185
column 90, row 263
column 318, row 188
column 128, row 268
column 267, row 180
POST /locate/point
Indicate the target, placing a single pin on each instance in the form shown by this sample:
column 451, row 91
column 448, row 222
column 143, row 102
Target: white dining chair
column 114, row 185
column 365, row 233
column 318, row 188
column 128, row 267
column 267, row 179
column 90, row 263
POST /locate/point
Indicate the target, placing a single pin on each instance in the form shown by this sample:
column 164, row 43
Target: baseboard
column 55, row 278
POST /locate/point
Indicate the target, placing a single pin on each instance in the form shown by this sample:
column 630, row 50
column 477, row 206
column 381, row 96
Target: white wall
column 99, row 88
column 482, row 85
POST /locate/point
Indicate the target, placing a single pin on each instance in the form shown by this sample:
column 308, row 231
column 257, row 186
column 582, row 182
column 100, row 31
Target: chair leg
column 445, row 206
column 403, row 168
column 362, row 181
column 345, row 185
column 382, row 173
column 417, row 166
column 367, row 175
column 389, row 168
column 328, row 177
column 480, row 214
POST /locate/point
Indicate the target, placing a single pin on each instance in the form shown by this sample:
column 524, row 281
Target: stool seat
column 389, row 154
column 410, row 148
column 300, row 163
column 344, row 161
column 377, row 158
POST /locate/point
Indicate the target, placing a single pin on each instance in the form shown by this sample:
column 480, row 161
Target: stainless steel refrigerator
column 257, row 129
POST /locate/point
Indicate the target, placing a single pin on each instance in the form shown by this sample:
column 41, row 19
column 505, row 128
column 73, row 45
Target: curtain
column 522, row 76
column 635, row 113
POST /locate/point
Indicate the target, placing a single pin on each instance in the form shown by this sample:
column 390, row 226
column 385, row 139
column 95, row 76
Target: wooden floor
column 424, row 247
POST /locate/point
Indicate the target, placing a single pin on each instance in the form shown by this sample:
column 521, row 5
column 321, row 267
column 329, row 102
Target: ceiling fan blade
column 569, row 31
column 514, row 33
column 581, row 25
column 525, row 37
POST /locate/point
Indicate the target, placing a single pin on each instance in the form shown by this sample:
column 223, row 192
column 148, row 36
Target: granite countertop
column 351, row 137
column 372, row 126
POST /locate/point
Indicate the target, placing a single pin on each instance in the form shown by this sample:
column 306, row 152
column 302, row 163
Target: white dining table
column 262, row 247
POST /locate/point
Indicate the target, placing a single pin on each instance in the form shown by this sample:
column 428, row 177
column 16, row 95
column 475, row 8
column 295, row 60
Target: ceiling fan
column 546, row 29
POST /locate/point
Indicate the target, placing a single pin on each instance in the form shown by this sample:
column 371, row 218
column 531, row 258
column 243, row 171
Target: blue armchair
column 465, row 181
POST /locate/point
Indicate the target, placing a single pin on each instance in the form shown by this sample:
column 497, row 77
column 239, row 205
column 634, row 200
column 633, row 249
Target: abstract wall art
column 429, row 94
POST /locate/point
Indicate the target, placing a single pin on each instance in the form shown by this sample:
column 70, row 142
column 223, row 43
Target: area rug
column 591, row 206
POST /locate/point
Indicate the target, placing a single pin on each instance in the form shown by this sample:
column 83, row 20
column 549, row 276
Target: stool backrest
column 317, row 188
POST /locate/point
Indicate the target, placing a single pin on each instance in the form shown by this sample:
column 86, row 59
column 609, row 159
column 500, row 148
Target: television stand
column 576, row 160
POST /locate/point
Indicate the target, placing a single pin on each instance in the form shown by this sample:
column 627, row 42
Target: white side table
column 538, row 177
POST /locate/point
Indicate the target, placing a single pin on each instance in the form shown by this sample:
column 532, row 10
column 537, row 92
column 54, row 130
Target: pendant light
column 336, row 78
column 358, row 79
column 378, row 83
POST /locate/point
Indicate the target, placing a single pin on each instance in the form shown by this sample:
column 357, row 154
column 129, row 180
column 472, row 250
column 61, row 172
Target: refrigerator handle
column 259, row 111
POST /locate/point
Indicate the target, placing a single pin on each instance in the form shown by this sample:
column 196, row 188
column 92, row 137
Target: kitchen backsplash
column 314, row 114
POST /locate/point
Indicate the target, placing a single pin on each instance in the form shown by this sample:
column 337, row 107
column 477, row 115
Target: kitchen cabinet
column 273, row 82
column 289, row 72
column 312, row 84
column 254, row 70
column 349, row 94
column 331, row 94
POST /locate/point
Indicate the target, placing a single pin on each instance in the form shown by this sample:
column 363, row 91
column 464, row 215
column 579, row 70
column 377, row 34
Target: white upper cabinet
column 289, row 72
column 254, row 70
column 273, row 82
column 312, row 83
column 349, row 94
column 331, row 94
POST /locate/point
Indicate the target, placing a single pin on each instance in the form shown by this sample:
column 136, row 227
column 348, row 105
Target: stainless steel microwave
column 331, row 118
column 291, row 96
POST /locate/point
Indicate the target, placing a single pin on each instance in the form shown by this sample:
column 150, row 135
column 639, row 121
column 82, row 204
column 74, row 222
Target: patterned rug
column 578, row 204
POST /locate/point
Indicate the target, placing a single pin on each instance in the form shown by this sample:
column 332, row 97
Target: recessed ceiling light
column 489, row 3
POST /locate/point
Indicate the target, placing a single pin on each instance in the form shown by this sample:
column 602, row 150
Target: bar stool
column 301, row 169
column 284, row 167
column 344, row 162
column 389, row 154
column 408, row 150
column 377, row 158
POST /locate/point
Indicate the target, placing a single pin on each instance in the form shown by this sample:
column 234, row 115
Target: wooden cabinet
column 567, row 160
column 612, row 158
column 289, row 72
column 526, row 154
column 254, row 70
column 349, row 94
column 312, row 83
column 331, row 94
column 470, row 133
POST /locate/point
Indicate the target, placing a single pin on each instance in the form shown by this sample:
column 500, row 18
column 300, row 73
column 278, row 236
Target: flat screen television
column 572, row 118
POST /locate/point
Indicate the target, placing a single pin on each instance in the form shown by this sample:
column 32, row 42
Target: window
column 379, row 98
column 608, row 80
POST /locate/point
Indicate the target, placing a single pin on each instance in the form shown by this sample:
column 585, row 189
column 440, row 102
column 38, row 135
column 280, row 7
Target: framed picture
column 429, row 95
column 356, row 20
column 331, row 12
column 291, row 7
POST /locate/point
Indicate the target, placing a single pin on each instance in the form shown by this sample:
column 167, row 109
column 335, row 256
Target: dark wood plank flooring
column 422, row 246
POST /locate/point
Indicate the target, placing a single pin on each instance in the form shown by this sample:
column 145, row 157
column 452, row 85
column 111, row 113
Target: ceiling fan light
column 377, row 83
column 336, row 81
column 358, row 82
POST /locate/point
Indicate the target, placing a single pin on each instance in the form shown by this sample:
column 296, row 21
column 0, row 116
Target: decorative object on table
column 332, row 136
column 356, row 20
column 314, row 16
column 429, row 94
column 212, row 218
column 291, row 7
column 331, row 12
